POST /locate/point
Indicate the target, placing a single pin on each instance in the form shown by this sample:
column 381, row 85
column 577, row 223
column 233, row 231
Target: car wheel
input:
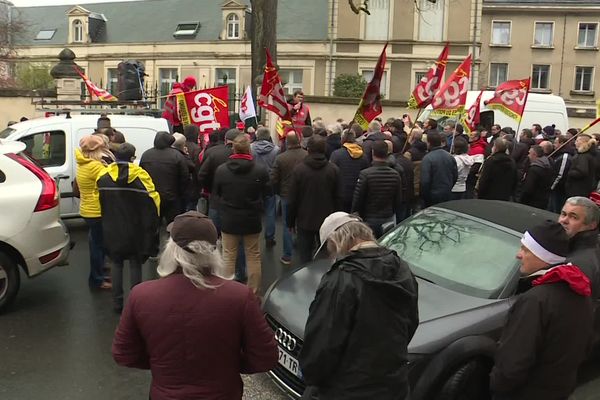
column 9, row 280
column 469, row 382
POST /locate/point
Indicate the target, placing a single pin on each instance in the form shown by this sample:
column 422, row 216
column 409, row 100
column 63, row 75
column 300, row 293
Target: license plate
column 290, row 363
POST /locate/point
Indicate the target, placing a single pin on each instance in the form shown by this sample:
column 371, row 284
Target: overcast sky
column 26, row 3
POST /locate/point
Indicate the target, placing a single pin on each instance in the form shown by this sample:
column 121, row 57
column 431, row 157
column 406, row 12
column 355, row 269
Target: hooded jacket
column 581, row 178
column 536, row 188
column 314, row 192
column 498, row 178
column 167, row 167
column 264, row 153
column 87, row 173
column 545, row 338
column 130, row 212
column 366, row 304
column 350, row 160
column 241, row 185
column 281, row 174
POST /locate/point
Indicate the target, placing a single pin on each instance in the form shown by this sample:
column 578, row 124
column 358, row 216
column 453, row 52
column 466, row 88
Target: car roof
column 141, row 120
column 514, row 216
column 11, row 146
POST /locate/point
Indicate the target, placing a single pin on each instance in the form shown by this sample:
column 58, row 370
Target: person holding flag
column 299, row 111
column 171, row 110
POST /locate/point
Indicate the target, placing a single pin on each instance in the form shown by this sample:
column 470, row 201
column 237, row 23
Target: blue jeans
column 270, row 215
column 288, row 241
column 96, row 247
column 240, row 262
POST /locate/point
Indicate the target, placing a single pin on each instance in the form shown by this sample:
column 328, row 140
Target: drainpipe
column 331, row 28
column 474, row 44
column 562, row 56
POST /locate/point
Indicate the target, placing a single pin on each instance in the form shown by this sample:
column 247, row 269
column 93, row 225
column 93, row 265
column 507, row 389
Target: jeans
column 270, row 215
column 135, row 277
column 96, row 248
column 251, row 245
column 307, row 241
column 288, row 241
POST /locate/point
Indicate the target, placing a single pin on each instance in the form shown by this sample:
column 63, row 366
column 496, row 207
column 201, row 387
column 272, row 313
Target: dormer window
column 45, row 34
column 233, row 26
column 77, row 31
column 187, row 29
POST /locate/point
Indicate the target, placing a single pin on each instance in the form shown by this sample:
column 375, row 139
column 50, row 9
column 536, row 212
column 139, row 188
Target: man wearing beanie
column 549, row 327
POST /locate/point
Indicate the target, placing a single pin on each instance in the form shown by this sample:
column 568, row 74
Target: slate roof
column 151, row 21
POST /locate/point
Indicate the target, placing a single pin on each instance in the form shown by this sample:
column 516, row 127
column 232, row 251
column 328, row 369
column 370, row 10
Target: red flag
column 94, row 90
column 207, row 108
column 271, row 95
column 452, row 96
column 473, row 117
column 370, row 104
column 510, row 97
column 423, row 94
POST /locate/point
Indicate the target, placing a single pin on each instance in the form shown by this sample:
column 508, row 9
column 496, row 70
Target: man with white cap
column 549, row 326
column 366, row 305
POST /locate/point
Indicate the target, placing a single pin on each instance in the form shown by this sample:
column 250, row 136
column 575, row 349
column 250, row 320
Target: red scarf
column 571, row 274
column 241, row 157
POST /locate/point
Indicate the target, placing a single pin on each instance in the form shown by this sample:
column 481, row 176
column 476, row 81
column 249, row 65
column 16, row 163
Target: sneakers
column 285, row 260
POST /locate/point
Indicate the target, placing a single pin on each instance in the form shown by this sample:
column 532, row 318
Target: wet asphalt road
column 55, row 341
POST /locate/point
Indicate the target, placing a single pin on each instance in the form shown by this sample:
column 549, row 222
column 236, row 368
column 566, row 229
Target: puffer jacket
column 581, row 178
column 536, row 188
column 88, row 171
column 350, row 159
column 264, row 153
column 365, row 305
column 378, row 192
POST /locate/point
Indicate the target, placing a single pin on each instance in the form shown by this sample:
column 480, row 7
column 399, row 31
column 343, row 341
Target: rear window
column 6, row 133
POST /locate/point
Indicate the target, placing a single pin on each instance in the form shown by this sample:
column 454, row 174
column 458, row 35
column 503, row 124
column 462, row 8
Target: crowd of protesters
column 322, row 178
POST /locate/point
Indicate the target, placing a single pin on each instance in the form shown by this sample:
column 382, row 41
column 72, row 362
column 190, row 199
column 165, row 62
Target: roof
column 514, row 216
column 152, row 21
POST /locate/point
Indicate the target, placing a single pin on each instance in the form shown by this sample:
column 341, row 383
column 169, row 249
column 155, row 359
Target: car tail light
column 49, row 196
column 49, row 257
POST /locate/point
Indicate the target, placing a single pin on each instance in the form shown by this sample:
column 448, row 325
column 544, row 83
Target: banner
column 510, row 97
column 370, row 104
column 423, row 94
column 94, row 90
column 471, row 121
column 271, row 95
column 247, row 109
column 452, row 96
column 207, row 108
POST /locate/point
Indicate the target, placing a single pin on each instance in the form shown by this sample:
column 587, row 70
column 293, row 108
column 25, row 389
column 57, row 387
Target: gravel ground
column 260, row 387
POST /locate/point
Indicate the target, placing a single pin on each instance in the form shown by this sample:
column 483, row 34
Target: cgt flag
column 452, row 96
column 207, row 108
column 472, row 119
column 271, row 95
column 94, row 90
column 370, row 104
column 247, row 109
column 510, row 97
column 423, row 94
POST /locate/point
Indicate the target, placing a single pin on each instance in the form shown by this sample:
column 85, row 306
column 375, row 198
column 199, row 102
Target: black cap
column 192, row 226
column 548, row 241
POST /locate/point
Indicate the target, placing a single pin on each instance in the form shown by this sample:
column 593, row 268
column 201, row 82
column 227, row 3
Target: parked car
column 52, row 142
column 463, row 255
column 32, row 235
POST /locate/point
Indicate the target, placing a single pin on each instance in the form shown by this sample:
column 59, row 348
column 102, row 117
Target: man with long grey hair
column 366, row 304
column 195, row 329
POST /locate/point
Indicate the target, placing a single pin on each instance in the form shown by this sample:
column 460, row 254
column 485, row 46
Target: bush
column 346, row 85
column 34, row 77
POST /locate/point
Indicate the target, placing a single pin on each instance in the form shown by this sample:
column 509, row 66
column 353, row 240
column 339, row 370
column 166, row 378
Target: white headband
column 540, row 252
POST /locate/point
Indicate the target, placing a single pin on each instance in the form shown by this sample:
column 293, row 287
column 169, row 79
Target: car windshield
column 6, row 133
column 456, row 252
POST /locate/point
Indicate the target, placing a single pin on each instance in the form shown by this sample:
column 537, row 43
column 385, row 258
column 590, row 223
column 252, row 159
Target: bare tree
column 12, row 28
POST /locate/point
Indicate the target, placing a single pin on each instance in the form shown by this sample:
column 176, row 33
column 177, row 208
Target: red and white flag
column 510, row 97
column 452, row 96
column 247, row 109
column 430, row 83
column 94, row 90
column 271, row 95
column 471, row 121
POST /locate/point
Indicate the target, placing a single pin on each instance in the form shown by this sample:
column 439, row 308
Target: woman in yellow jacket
column 90, row 165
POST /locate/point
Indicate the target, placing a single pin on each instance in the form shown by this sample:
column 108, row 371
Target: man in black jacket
column 378, row 192
column 314, row 194
column 438, row 172
column 242, row 185
column 374, row 133
column 561, row 165
column 362, row 318
column 549, row 327
column 350, row 159
column 538, row 179
column 169, row 171
column 498, row 174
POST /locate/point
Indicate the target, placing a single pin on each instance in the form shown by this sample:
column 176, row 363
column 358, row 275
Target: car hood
column 289, row 299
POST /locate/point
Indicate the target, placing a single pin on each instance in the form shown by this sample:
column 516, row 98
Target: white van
column 543, row 109
column 52, row 142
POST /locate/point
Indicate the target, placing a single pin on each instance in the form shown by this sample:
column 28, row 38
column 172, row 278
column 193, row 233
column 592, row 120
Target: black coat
column 378, row 192
column 359, row 325
column 334, row 142
column 536, row 188
column 406, row 169
column 241, row 186
column 546, row 337
column 367, row 144
column 581, row 179
column 350, row 159
column 417, row 150
column 498, row 178
column 194, row 188
column 314, row 192
column 438, row 175
column 213, row 158
column 167, row 167
column 584, row 251
column 561, row 166
column 519, row 153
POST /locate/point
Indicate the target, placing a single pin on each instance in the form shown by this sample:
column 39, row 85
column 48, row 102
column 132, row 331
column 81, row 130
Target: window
column 47, row 148
column 226, row 76
column 431, row 20
column 293, row 79
column 418, row 76
column 377, row 24
column 583, row 79
column 540, row 76
column 233, row 26
column 501, row 33
column 168, row 76
column 498, row 74
column 187, row 29
column 587, row 35
column 77, row 31
column 368, row 75
column 112, row 81
column 45, row 34
column 543, row 34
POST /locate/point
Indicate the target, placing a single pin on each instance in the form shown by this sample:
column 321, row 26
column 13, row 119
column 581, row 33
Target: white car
column 32, row 235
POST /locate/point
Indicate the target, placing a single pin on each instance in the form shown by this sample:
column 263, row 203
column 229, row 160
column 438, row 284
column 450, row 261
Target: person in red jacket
column 477, row 144
column 171, row 109
column 195, row 330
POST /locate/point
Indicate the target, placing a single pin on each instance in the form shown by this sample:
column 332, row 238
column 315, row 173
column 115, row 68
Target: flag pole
column 575, row 136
